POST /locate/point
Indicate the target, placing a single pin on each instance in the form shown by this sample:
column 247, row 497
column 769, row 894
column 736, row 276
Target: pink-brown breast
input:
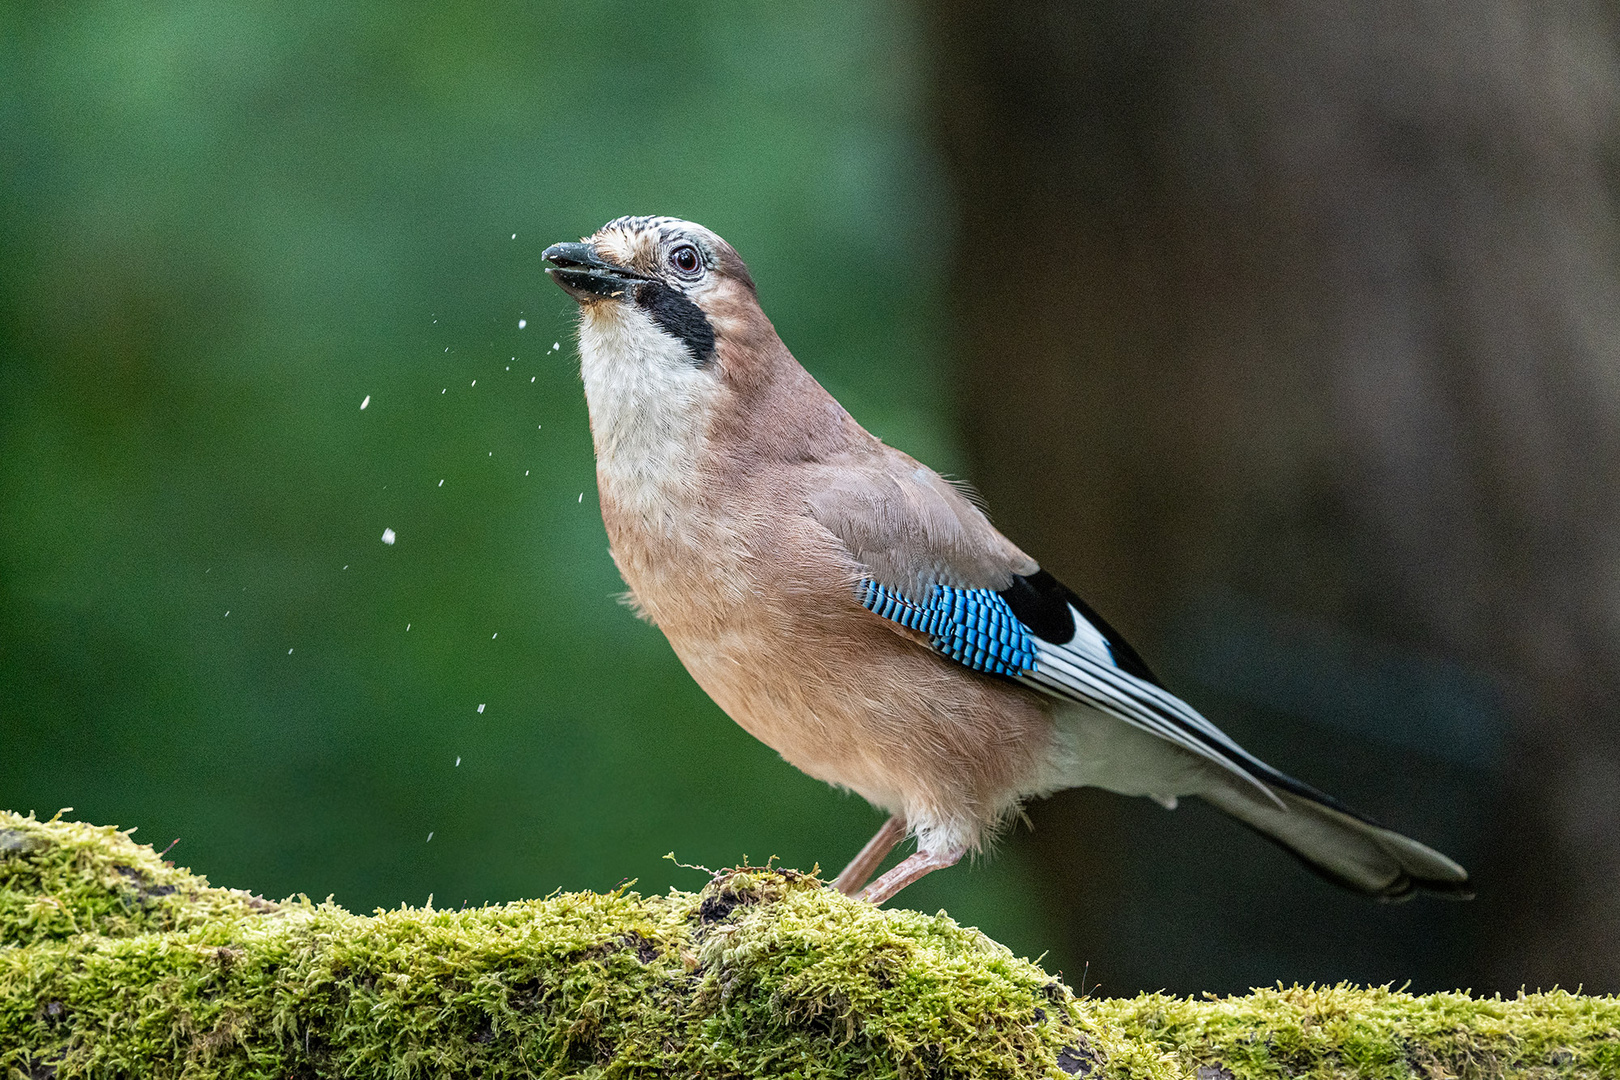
column 758, row 601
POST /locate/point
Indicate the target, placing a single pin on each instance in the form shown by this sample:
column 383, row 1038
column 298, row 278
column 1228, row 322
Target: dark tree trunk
column 1300, row 323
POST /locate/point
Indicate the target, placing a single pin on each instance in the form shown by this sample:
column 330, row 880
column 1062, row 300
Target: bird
column 857, row 612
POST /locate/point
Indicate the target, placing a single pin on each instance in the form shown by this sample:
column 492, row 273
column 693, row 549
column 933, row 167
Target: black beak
column 585, row 276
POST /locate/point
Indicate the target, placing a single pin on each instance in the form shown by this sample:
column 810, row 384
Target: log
column 115, row 963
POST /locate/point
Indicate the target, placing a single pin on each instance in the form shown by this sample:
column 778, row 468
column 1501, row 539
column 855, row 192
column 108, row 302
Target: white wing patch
column 1083, row 670
column 980, row 629
column 1089, row 640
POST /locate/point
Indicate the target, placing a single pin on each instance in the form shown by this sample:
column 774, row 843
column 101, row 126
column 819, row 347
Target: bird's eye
column 685, row 260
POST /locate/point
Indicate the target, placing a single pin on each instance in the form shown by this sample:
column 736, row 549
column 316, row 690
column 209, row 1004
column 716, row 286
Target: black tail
column 1341, row 845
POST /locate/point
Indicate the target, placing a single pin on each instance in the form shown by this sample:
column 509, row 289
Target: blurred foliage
column 227, row 225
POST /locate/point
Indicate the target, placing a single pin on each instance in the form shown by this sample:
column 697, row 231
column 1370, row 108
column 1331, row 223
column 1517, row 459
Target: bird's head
column 653, row 283
column 676, row 354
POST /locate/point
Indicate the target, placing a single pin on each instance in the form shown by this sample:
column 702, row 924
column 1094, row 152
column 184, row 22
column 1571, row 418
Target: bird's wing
column 931, row 562
column 908, row 527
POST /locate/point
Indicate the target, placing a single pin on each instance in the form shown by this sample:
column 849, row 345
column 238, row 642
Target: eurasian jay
column 855, row 611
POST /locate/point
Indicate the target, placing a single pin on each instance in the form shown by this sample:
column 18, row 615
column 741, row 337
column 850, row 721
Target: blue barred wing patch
column 977, row 629
column 974, row 627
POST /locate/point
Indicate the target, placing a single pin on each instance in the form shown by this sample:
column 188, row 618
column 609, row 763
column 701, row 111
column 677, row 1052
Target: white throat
column 649, row 404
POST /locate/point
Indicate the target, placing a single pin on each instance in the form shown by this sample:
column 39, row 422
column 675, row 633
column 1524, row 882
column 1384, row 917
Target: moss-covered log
column 115, row 964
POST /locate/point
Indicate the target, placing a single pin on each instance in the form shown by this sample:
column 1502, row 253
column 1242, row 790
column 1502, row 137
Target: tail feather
column 1343, row 846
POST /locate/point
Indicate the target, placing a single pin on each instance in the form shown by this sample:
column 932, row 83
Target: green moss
column 60, row 879
column 116, row 964
column 1345, row 1031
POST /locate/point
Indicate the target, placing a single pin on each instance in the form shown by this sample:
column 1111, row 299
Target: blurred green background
column 227, row 226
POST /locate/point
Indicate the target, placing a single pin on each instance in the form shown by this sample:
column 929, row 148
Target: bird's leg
column 871, row 857
column 909, row 870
